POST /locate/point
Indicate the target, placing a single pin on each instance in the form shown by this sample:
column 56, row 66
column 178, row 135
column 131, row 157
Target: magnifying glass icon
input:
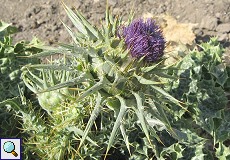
column 9, row 147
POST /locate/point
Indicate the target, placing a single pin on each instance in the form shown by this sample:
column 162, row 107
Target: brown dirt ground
column 41, row 18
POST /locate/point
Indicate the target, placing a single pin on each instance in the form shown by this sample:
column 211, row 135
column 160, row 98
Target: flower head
column 144, row 38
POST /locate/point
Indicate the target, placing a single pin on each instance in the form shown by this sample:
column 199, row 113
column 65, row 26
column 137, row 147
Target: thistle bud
column 144, row 39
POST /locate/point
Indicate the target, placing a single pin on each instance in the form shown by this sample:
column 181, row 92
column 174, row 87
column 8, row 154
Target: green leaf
column 29, row 77
column 142, row 80
column 93, row 89
column 222, row 133
column 113, row 104
column 48, row 51
column 116, row 23
column 75, row 20
column 19, row 47
column 96, row 111
column 13, row 102
column 72, row 34
column 92, row 29
column 125, row 137
column 3, row 26
column 165, row 75
column 7, row 28
column 48, row 66
column 78, row 131
column 108, row 27
column 140, row 114
column 150, row 68
column 161, row 116
column 175, row 152
column 223, row 152
column 81, row 78
column 220, row 73
column 117, row 123
column 199, row 153
column 83, row 25
column 168, row 96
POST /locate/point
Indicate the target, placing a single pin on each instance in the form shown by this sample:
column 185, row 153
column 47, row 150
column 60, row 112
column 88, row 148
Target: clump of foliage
column 203, row 132
column 11, row 61
column 10, row 82
column 203, row 84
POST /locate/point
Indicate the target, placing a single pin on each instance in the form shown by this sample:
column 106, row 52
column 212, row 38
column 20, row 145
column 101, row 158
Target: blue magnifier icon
column 9, row 147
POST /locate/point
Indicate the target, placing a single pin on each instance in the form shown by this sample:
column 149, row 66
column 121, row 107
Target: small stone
column 198, row 32
column 209, row 23
column 151, row 2
column 218, row 15
column 223, row 28
column 161, row 9
column 37, row 9
column 223, row 37
column 116, row 11
column 77, row 4
column 112, row 2
column 226, row 57
column 227, row 18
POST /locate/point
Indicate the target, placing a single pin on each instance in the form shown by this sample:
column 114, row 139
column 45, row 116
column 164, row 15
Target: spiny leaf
column 72, row 34
column 49, row 67
column 3, row 26
column 31, row 87
column 142, row 80
column 47, row 52
column 175, row 149
column 140, row 114
column 44, row 78
column 223, row 152
column 75, row 20
column 162, row 116
column 139, row 111
column 92, row 119
column 64, row 76
column 92, row 29
column 117, row 123
column 33, row 78
column 93, row 89
column 168, row 96
column 164, row 75
column 81, row 78
column 125, row 137
column 53, row 79
column 116, row 23
column 113, row 68
column 108, row 27
column 13, row 102
column 78, row 131
column 150, row 68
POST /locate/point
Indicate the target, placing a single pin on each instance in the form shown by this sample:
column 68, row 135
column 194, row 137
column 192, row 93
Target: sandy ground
column 41, row 18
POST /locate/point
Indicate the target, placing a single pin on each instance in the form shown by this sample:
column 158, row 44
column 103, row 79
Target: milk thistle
column 104, row 79
column 144, row 39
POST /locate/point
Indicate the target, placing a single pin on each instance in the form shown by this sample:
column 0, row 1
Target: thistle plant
column 115, row 68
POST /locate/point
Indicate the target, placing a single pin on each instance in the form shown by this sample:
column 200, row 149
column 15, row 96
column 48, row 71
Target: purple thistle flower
column 144, row 39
